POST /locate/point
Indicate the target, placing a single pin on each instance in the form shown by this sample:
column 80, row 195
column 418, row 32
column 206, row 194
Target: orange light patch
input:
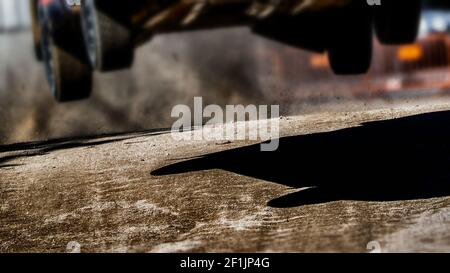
column 318, row 61
column 410, row 53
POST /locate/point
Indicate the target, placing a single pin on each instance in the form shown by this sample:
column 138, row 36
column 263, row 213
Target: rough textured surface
column 384, row 181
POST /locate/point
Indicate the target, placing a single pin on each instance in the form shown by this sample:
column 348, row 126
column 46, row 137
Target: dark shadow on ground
column 401, row 159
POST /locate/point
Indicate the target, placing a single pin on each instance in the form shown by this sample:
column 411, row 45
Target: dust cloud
column 230, row 66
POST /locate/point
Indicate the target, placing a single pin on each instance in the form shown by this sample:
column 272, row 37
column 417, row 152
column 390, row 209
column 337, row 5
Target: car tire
column 350, row 45
column 66, row 65
column 109, row 41
column 397, row 22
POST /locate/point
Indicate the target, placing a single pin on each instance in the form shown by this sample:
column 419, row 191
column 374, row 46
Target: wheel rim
column 89, row 23
column 48, row 61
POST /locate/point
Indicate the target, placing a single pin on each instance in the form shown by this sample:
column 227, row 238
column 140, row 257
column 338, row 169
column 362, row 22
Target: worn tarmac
column 339, row 182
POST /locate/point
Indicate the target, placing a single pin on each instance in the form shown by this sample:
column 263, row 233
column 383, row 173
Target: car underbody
column 102, row 34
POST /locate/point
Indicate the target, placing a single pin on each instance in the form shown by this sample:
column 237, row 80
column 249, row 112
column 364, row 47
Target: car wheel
column 350, row 44
column 67, row 69
column 397, row 22
column 108, row 40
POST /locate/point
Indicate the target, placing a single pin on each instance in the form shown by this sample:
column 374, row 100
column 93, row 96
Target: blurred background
column 227, row 66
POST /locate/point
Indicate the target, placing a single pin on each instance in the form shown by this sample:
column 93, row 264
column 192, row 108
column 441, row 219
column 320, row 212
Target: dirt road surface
column 338, row 182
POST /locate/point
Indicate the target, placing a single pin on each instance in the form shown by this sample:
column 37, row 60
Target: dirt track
column 377, row 180
column 384, row 181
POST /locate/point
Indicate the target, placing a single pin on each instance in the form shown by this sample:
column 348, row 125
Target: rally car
column 75, row 37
